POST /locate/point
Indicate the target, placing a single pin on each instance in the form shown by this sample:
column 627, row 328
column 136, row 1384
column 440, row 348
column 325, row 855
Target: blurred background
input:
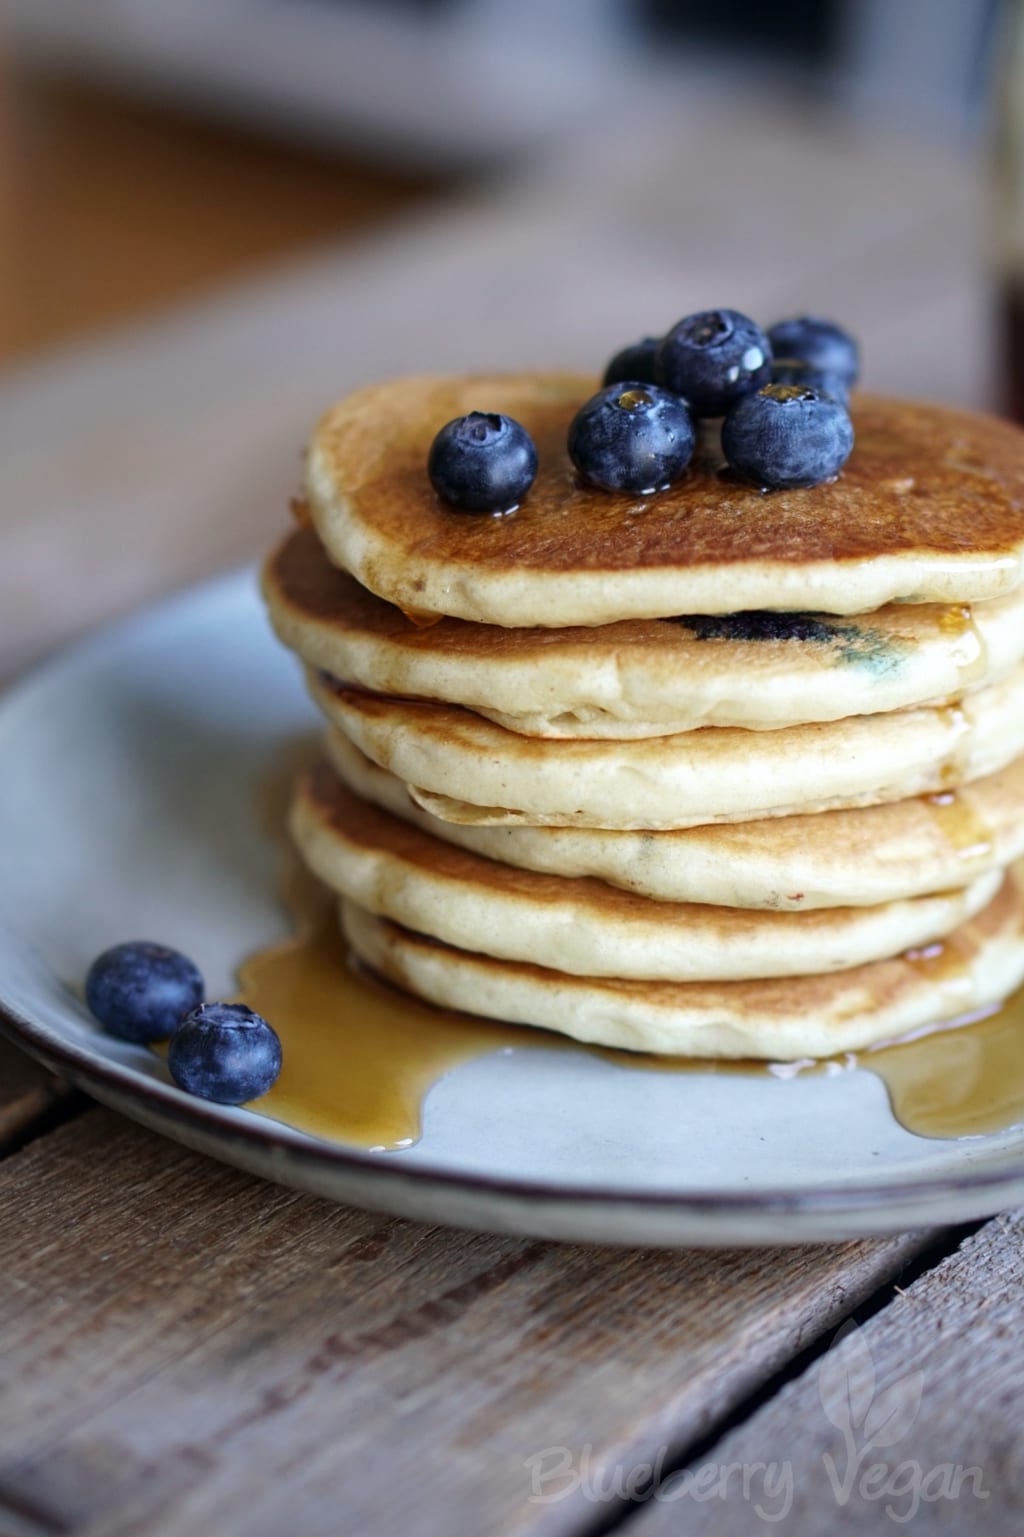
column 217, row 214
column 151, row 147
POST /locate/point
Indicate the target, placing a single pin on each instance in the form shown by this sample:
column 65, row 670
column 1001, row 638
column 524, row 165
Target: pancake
column 838, row 858
column 467, row 769
column 928, row 508
column 789, row 1019
column 584, row 926
column 641, row 677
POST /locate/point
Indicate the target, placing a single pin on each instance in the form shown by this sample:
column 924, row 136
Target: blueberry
column 819, row 343
column 636, row 363
column 483, row 462
column 796, row 371
column 139, row 991
column 787, row 435
column 713, row 358
column 224, row 1052
column 632, row 437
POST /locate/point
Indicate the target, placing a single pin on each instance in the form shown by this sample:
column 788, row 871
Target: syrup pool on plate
column 360, row 1056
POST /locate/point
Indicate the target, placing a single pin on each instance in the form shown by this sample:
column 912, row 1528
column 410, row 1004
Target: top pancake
column 929, row 508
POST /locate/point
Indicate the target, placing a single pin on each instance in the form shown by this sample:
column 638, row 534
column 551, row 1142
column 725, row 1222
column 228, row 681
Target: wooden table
column 187, row 1350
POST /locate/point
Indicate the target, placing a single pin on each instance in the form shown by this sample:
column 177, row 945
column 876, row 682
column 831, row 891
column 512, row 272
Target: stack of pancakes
column 710, row 772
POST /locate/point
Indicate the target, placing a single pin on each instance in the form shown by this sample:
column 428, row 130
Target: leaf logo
column 865, row 1418
column 893, row 1412
column 846, row 1379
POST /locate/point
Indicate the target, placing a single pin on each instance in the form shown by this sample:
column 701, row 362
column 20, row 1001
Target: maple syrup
column 970, row 653
column 960, row 1080
column 963, row 829
column 360, row 1055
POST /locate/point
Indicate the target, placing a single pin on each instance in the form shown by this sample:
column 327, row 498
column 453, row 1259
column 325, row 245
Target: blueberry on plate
column 635, row 363
column 787, row 435
column 224, row 1052
column 713, row 358
column 482, row 462
column 796, row 371
column 139, row 990
column 819, row 343
column 632, row 436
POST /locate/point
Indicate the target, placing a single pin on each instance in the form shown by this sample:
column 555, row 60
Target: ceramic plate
column 129, row 775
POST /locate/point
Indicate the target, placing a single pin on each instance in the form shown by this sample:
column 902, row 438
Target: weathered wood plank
column 194, row 1350
column 916, row 1419
column 28, row 1093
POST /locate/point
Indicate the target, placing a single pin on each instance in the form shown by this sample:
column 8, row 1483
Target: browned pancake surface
column 920, row 478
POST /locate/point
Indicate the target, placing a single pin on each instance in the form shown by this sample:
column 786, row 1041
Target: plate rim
column 267, row 1136
column 264, row 1136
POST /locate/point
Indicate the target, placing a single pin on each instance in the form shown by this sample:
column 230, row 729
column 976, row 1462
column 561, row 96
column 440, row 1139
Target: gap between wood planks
column 619, row 1515
column 33, row 1101
column 46, row 1110
column 21, row 1517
